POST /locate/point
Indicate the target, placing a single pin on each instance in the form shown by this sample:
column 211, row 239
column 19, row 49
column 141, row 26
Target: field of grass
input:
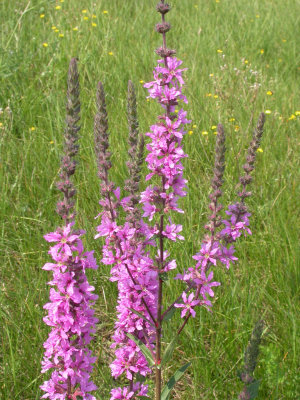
column 242, row 59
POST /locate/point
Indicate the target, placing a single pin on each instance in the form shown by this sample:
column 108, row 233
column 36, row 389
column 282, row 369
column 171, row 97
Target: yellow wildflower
column 57, row 7
column 211, row 75
column 111, row 53
column 268, row 112
column 260, row 150
column 216, row 96
column 293, row 116
column 53, row 28
column 204, row 133
column 257, row 16
column 104, row 12
column 51, row 142
column 61, row 35
column 190, row 132
column 141, row 81
column 208, row 95
column 215, row 132
column 85, row 18
column 262, row 51
column 246, row 61
column 284, row 40
column 269, row 92
column 75, row 28
column 45, row 44
column 194, row 126
column 219, row 51
column 32, row 128
column 94, row 24
column 84, row 11
column 42, row 16
column 56, row 30
column 236, row 128
column 214, row 127
column 297, row 113
column 231, row 119
column 94, row 16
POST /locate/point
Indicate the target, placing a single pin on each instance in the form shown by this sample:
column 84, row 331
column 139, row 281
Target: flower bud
column 163, row 8
column 163, row 27
column 165, row 52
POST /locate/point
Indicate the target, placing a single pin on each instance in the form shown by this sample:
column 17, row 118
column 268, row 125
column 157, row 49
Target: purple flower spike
column 70, row 317
column 69, row 312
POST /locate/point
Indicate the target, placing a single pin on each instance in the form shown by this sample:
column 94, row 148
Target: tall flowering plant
column 137, row 248
column 70, row 315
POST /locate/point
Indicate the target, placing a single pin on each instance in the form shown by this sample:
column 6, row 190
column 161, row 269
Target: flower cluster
column 133, row 269
column 70, row 317
column 214, row 249
column 165, row 150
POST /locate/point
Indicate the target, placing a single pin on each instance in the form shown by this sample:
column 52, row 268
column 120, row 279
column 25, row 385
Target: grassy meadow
column 242, row 59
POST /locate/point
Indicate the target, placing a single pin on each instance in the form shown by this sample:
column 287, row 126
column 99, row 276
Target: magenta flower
column 171, row 232
column 234, row 229
column 227, row 256
column 209, row 252
column 172, row 71
column 125, row 393
column 65, row 242
column 188, row 305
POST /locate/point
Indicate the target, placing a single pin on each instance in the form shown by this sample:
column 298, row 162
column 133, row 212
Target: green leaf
column 252, row 389
column 170, row 314
column 142, row 316
column 169, row 351
column 164, row 276
column 144, row 349
column 171, row 383
column 140, row 378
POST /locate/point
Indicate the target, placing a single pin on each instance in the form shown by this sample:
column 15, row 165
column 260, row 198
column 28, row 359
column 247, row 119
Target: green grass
column 265, row 282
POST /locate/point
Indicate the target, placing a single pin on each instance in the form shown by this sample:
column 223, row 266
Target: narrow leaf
column 171, row 383
column 169, row 314
column 169, row 351
column 141, row 316
column 144, row 349
column 252, row 389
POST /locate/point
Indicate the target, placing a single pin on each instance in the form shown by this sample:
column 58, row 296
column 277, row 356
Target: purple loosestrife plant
column 137, row 249
column 70, row 315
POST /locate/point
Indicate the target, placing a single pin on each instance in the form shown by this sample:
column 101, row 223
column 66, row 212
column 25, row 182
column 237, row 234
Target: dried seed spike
column 101, row 135
column 68, row 163
column 217, row 179
column 136, row 155
column 251, row 156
